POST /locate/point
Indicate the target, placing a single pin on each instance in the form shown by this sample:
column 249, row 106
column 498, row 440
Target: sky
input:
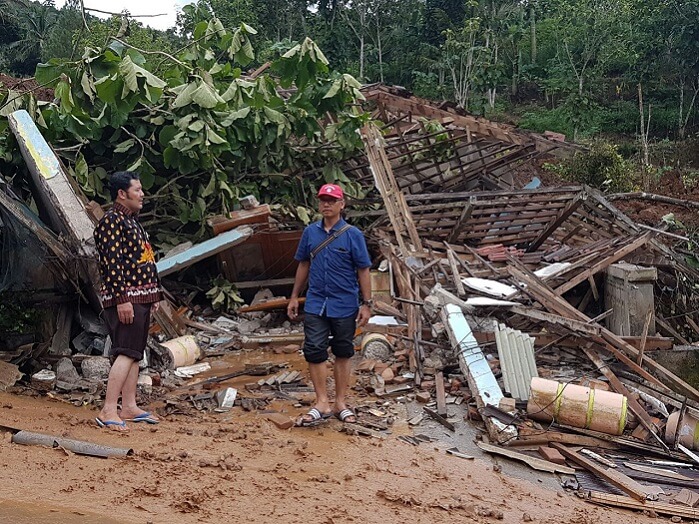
column 139, row 7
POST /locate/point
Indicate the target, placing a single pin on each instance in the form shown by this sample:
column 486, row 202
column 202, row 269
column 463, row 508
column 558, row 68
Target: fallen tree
column 203, row 133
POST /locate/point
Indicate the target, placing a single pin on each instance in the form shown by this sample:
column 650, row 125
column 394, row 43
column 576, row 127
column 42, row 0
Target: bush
column 602, row 167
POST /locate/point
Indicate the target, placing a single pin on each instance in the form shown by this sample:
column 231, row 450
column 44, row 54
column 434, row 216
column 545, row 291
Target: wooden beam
column 582, row 327
column 603, row 264
column 461, row 222
column 533, row 462
column 663, row 508
column 556, row 222
column 615, row 478
column 634, row 406
column 440, row 394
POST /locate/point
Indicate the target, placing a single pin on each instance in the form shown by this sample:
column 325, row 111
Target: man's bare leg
column 129, row 409
column 343, row 367
column 118, row 376
column 319, row 378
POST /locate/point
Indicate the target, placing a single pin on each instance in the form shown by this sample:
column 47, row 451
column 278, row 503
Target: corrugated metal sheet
column 516, row 353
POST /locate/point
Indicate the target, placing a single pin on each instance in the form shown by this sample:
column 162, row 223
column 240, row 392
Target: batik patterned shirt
column 127, row 261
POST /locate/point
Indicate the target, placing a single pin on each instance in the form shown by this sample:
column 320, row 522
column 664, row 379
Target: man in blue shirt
column 334, row 261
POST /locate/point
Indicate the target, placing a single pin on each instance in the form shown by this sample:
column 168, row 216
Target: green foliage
column 199, row 133
column 224, row 295
column 15, row 318
column 602, row 167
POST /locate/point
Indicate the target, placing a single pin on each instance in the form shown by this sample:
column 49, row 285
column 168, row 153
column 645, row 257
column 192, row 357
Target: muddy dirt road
column 239, row 467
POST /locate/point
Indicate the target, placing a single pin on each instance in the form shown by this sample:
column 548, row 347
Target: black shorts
column 317, row 331
column 128, row 339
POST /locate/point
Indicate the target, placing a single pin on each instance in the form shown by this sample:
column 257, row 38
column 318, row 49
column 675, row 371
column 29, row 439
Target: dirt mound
column 24, row 85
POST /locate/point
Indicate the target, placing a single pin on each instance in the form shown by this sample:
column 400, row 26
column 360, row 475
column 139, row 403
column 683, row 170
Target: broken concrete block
column 552, row 455
column 44, row 380
column 66, row 372
column 96, row 368
column 249, row 202
column 279, row 420
column 423, row 396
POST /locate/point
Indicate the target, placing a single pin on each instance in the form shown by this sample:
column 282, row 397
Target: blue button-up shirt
column 333, row 288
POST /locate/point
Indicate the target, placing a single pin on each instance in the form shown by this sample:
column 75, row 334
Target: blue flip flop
column 106, row 423
column 146, row 417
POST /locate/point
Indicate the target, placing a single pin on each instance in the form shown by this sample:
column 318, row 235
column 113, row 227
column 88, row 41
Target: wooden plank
column 439, row 418
column 455, row 272
column 615, row 478
column 533, row 462
column 617, row 385
column 618, row 255
column 556, row 304
column 461, row 222
column 644, row 338
column 440, row 395
column 628, row 503
column 582, row 327
column 269, row 305
column 658, row 472
column 663, row 324
column 556, row 222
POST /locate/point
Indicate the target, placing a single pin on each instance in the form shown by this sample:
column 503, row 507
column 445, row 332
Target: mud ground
column 239, row 467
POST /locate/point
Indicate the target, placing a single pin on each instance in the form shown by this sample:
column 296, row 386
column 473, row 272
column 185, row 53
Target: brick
column 552, row 455
column 379, row 367
column 387, row 375
column 279, row 420
column 366, row 365
column 427, row 385
column 423, row 396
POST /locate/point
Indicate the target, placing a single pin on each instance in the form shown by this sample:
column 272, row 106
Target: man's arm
column 300, row 281
column 364, row 278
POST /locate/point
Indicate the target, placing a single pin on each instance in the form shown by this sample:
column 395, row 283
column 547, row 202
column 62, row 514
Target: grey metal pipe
column 28, row 438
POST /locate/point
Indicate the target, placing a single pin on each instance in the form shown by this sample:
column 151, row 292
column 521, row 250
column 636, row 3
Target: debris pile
column 536, row 310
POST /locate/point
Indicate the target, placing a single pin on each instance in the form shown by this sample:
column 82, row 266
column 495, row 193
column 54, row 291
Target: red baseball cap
column 331, row 190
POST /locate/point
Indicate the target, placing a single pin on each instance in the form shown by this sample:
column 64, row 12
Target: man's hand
column 154, row 307
column 363, row 316
column 293, row 308
column 125, row 312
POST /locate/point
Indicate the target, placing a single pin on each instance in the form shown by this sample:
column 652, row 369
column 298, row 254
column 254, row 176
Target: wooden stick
column 615, row 478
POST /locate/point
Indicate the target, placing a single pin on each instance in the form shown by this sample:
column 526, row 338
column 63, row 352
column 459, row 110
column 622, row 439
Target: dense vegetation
column 573, row 66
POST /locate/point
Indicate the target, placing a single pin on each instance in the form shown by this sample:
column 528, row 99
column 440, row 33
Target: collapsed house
column 535, row 306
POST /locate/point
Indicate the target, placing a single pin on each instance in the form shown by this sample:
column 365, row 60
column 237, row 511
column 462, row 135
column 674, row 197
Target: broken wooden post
column 59, row 198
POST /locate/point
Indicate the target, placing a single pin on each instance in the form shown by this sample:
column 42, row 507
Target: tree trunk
column 379, row 47
column 645, row 128
column 532, row 26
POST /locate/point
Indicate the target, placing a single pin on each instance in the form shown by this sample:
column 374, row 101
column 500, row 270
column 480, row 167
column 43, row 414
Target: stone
column 66, row 372
column 96, row 368
column 290, row 349
column 9, row 374
column 44, row 380
column 279, row 420
column 248, row 327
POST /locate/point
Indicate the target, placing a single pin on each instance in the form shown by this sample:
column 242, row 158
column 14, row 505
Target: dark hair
column 120, row 180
